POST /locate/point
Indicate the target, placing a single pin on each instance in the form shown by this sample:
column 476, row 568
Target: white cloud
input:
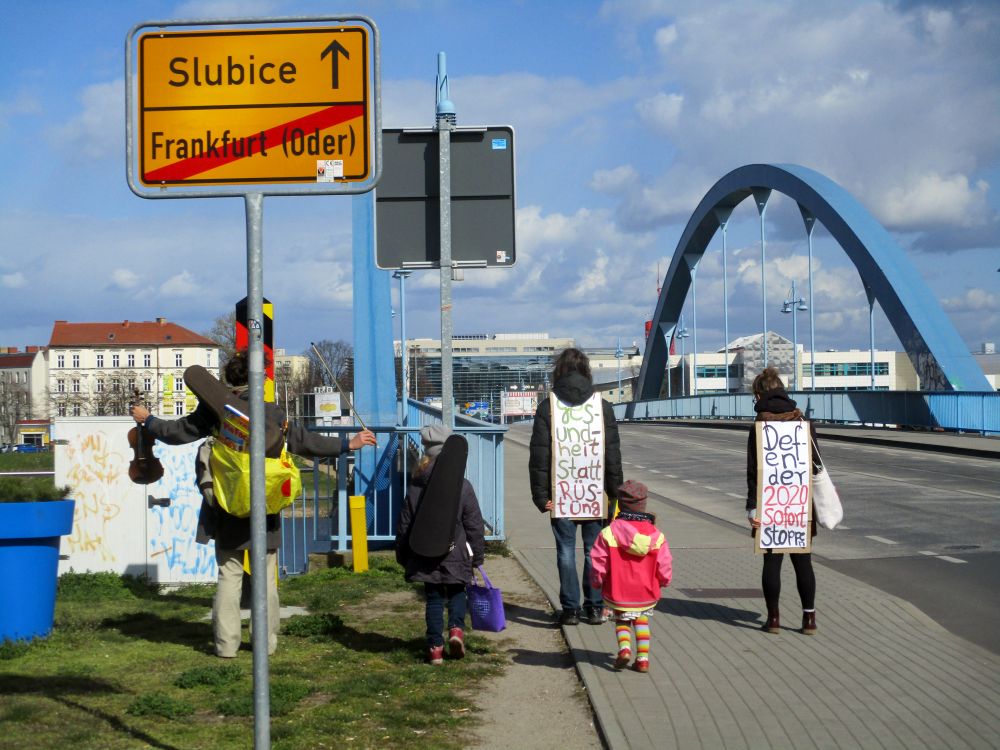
column 974, row 300
column 933, row 199
column 124, row 279
column 614, row 180
column 182, row 284
column 896, row 104
column 23, row 103
column 661, row 112
column 14, row 280
column 98, row 131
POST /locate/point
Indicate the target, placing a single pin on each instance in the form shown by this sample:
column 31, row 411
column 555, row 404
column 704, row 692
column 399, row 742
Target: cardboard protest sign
column 578, row 459
column 784, row 470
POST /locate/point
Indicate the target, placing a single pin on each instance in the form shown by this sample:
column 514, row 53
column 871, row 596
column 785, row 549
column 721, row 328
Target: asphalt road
column 920, row 525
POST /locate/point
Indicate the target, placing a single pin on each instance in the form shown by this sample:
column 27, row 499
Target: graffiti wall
column 122, row 527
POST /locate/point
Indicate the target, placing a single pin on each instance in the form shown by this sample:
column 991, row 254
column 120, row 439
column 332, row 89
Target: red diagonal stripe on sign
column 273, row 138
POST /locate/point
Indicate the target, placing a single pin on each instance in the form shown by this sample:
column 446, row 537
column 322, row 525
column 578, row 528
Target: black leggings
column 805, row 579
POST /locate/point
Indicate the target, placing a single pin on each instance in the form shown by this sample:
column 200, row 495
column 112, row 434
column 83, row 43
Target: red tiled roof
column 19, row 361
column 125, row 333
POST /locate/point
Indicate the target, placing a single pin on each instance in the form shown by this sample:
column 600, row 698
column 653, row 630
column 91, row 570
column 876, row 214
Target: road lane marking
column 733, row 494
column 946, row 558
column 689, row 481
column 710, row 487
column 881, row 539
column 672, row 476
column 928, row 552
column 654, row 471
column 638, row 467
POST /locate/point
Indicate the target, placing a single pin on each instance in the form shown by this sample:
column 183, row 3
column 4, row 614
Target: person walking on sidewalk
column 573, row 385
column 772, row 403
column 630, row 563
column 444, row 578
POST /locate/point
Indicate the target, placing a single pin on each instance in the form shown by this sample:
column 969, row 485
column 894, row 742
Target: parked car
column 27, row 448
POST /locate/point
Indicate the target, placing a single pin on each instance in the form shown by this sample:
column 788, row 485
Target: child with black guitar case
column 440, row 537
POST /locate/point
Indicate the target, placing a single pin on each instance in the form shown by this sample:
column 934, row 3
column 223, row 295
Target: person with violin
column 144, row 468
column 232, row 534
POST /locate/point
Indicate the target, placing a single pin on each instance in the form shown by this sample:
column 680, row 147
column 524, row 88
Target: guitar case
column 432, row 531
column 217, row 396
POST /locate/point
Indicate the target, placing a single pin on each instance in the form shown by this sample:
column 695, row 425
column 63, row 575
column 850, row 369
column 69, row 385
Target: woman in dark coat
column 572, row 384
column 444, row 578
column 772, row 404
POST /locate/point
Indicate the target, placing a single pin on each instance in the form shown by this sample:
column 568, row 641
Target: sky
column 625, row 113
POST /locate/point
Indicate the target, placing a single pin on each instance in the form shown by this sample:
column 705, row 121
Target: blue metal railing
column 961, row 412
column 319, row 520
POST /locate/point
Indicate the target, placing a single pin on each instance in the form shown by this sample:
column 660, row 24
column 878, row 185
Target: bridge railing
column 319, row 520
column 958, row 411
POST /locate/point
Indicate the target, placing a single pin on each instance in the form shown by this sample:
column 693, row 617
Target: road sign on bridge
column 251, row 106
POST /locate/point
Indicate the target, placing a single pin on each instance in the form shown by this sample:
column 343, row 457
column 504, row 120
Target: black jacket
column 230, row 532
column 573, row 389
column 457, row 565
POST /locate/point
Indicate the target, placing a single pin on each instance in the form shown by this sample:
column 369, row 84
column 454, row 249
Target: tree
column 14, row 406
column 339, row 357
column 223, row 333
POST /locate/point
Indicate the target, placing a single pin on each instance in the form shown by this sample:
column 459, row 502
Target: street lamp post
column 683, row 333
column 793, row 305
column 618, row 355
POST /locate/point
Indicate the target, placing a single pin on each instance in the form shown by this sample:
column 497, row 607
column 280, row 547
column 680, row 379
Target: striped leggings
column 623, row 631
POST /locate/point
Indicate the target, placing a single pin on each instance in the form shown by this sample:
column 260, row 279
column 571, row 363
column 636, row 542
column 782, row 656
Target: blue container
column 29, row 566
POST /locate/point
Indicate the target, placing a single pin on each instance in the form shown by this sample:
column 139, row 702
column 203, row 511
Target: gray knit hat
column 432, row 437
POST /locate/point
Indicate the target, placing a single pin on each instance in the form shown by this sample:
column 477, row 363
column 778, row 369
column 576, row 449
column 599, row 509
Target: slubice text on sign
column 784, row 469
column 280, row 105
column 578, row 459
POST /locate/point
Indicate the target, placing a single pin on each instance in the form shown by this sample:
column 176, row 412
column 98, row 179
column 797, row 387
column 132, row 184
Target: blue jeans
column 438, row 594
column 564, row 530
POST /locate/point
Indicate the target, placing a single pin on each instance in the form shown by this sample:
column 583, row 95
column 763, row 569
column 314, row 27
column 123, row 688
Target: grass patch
column 129, row 665
column 44, row 461
column 158, row 704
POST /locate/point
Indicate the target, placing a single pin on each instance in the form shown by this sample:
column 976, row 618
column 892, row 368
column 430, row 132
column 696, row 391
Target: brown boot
column 808, row 623
column 772, row 625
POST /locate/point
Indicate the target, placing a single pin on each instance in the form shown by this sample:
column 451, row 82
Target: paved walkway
column 879, row 673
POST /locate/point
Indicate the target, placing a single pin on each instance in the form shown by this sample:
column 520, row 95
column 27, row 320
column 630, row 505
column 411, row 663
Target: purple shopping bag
column 485, row 605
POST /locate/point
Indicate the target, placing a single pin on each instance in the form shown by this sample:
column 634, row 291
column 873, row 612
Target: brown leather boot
column 773, row 624
column 808, row 623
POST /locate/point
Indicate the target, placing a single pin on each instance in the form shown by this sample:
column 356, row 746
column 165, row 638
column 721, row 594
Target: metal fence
column 319, row 520
column 960, row 412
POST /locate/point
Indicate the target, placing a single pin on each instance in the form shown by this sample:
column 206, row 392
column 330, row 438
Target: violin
column 144, row 468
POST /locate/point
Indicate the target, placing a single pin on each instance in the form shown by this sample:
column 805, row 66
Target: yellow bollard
column 359, row 533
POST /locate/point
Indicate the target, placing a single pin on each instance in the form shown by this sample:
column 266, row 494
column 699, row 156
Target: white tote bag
column 826, row 501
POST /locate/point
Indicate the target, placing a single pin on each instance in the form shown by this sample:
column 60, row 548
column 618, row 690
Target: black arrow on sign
column 332, row 50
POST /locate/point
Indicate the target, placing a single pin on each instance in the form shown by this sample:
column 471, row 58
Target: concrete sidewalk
column 879, row 673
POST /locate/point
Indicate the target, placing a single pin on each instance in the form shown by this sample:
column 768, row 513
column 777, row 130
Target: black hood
column 573, row 389
column 775, row 402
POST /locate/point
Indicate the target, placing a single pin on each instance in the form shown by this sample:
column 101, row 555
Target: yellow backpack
column 231, row 480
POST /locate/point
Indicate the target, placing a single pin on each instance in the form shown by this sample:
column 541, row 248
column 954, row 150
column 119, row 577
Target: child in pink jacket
column 630, row 561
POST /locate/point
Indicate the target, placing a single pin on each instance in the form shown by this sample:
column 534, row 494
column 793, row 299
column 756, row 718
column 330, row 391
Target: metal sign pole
column 445, row 124
column 258, row 510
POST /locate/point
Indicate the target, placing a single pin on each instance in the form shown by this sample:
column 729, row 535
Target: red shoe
column 641, row 665
column 456, row 643
column 435, row 655
column 624, row 657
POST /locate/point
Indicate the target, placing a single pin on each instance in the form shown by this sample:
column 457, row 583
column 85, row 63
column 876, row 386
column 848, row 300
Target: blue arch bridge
column 955, row 394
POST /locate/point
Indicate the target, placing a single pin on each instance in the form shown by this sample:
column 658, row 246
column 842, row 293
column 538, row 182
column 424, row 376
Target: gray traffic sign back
column 482, row 198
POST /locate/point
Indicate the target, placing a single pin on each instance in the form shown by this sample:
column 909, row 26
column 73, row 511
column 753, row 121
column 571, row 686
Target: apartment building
column 100, row 369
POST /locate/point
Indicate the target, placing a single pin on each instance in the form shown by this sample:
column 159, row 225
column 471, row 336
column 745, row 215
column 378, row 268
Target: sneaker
column 595, row 616
column 641, row 665
column 435, row 655
column 569, row 617
column 456, row 643
column 624, row 657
